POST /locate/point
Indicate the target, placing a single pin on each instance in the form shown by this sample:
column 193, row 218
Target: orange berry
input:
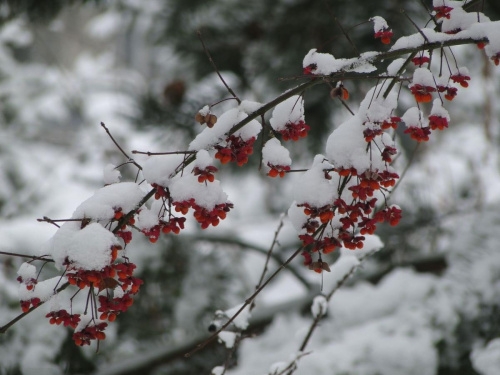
column 328, row 249
column 100, row 335
column 112, row 317
column 273, row 173
column 345, row 93
column 118, row 215
column 104, row 316
column 325, row 217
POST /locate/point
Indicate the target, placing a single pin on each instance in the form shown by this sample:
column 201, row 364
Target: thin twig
column 215, row 67
column 52, row 221
column 119, row 147
column 268, row 258
column 163, row 153
column 247, row 245
column 345, row 105
column 410, row 162
column 32, row 257
column 247, row 302
column 340, row 27
column 5, row 327
column 317, row 319
column 414, row 24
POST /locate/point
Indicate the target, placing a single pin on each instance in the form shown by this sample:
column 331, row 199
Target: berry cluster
column 294, row 131
column 202, row 215
column 110, row 308
column 206, row 174
column 62, row 316
column 236, row 149
column 443, row 12
column 29, row 282
column 90, row 332
column 27, row 304
column 384, row 35
column 118, row 276
column 277, row 170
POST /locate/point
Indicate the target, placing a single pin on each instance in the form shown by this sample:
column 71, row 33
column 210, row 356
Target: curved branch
column 5, row 327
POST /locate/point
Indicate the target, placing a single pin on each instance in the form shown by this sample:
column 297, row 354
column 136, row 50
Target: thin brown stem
column 163, row 153
column 5, row 327
column 32, row 257
column 414, row 24
column 247, row 302
column 215, row 67
column 268, row 258
column 119, row 147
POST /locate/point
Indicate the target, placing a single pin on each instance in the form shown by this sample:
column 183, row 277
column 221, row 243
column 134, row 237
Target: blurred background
column 427, row 303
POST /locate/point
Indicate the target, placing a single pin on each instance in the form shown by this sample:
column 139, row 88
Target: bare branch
column 5, row 327
column 32, row 257
column 215, row 67
column 119, row 147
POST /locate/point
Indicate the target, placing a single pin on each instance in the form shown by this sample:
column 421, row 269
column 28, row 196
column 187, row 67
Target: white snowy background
column 53, row 154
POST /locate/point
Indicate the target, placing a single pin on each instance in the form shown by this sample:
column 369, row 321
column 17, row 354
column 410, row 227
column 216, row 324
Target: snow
column 203, row 160
column 43, row 289
column 228, row 338
column 102, row 205
column 394, row 66
column 326, row 64
column 218, row 370
column 209, row 137
column 313, row 188
column 439, row 110
column 88, row 248
column 159, row 169
column 248, row 106
column 275, row 154
column 204, row 111
column 486, row 360
column 206, row 195
column 462, row 20
column 147, row 219
column 277, row 368
column 27, row 271
column 423, row 77
column 319, row 306
column 297, row 217
column 290, row 111
column 346, row 146
column 413, row 117
column 343, row 267
column 379, row 24
column 111, row 175
column 241, row 321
